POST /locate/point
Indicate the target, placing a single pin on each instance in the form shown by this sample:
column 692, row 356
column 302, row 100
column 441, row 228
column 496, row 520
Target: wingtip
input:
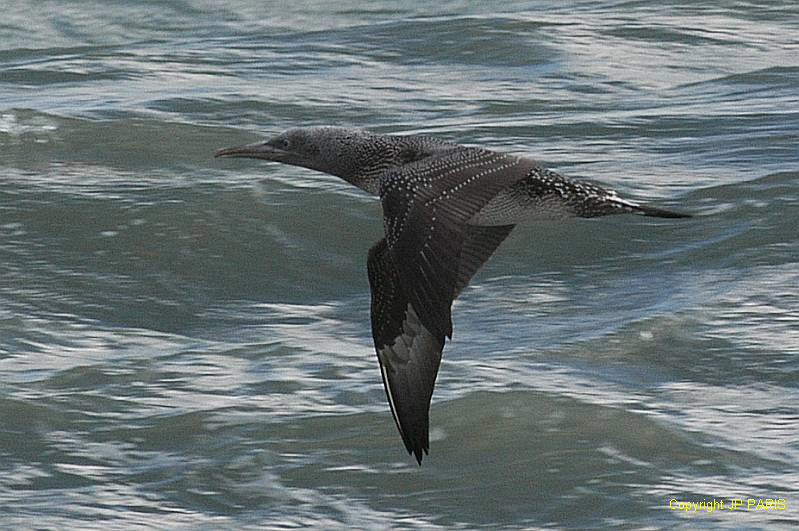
column 418, row 453
column 418, row 449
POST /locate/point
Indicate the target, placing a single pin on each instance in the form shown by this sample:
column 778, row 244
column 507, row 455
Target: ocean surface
column 185, row 343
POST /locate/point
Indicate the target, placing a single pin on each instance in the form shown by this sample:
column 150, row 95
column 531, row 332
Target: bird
column 446, row 209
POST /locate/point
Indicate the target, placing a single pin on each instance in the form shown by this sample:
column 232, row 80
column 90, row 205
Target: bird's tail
column 644, row 210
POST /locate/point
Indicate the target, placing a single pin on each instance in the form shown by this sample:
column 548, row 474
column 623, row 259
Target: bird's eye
column 280, row 143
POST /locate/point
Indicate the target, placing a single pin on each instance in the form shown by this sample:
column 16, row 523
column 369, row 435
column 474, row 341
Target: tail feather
column 657, row 212
column 643, row 210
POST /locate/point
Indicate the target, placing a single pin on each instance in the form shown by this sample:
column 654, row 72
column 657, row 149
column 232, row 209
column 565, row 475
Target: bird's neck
column 381, row 154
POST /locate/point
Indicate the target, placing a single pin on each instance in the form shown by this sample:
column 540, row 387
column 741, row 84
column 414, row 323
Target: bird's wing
column 426, row 207
column 478, row 245
column 408, row 351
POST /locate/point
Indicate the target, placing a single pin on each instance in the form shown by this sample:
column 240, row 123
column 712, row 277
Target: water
column 184, row 342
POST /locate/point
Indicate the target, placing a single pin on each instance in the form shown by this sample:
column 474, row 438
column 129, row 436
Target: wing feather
column 408, row 351
column 426, row 207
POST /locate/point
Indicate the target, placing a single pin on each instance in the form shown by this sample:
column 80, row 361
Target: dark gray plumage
column 446, row 208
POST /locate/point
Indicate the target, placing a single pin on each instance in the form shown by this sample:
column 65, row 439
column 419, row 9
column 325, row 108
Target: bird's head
column 344, row 152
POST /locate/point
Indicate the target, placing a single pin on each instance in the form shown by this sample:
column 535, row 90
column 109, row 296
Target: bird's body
column 446, row 208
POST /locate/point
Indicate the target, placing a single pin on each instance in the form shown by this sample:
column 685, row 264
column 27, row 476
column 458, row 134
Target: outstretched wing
column 478, row 245
column 408, row 351
column 426, row 208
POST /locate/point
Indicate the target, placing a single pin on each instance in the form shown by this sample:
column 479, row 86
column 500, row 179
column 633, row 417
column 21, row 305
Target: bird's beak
column 259, row 150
